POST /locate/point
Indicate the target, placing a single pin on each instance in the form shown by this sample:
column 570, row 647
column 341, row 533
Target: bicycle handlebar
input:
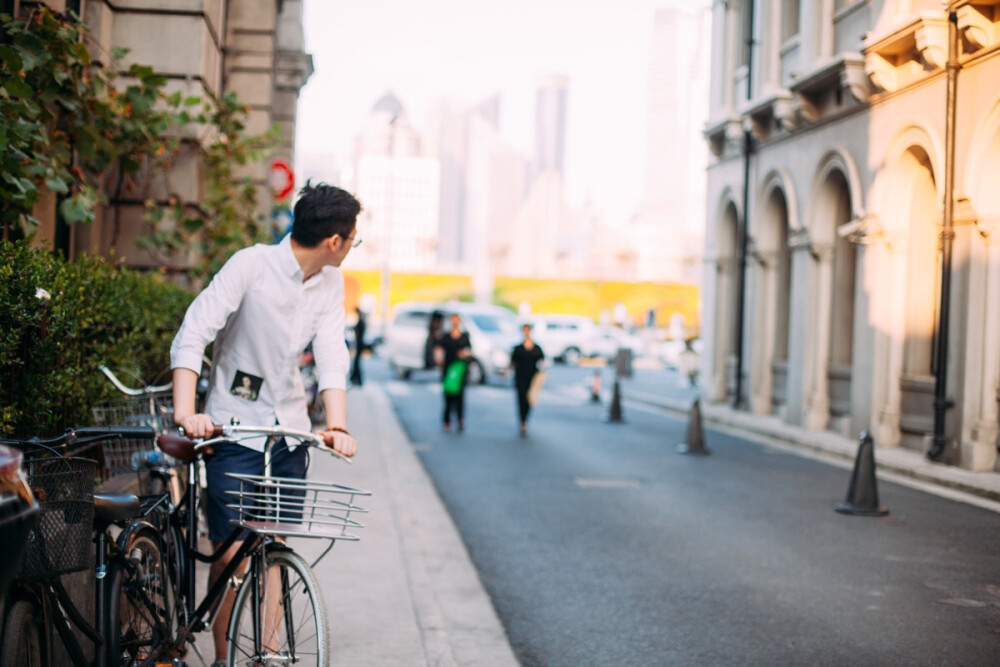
column 86, row 435
column 185, row 449
column 128, row 391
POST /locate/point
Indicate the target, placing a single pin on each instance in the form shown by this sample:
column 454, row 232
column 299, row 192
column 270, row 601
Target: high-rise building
column 399, row 188
column 550, row 124
column 671, row 214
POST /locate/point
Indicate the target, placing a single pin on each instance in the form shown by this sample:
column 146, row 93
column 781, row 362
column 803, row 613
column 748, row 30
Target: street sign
column 282, row 179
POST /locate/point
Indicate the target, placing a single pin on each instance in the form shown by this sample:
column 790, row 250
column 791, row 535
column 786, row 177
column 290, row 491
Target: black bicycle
column 133, row 613
column 279, row 616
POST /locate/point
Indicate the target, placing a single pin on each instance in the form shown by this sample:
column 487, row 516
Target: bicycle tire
column 22, row 646
column 141, row 606
column 305, row 627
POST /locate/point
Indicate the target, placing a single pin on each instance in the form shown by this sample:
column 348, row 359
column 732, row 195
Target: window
column 789, row 19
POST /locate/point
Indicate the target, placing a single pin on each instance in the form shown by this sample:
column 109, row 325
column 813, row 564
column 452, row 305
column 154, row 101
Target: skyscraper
column 550, row 124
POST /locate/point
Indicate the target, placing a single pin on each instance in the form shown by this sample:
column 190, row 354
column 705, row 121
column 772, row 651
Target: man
column 261, row 310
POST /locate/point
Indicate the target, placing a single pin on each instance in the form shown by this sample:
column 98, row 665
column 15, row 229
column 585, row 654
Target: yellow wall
column 579, row 297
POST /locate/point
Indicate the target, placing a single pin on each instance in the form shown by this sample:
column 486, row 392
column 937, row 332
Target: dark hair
column 322, row 211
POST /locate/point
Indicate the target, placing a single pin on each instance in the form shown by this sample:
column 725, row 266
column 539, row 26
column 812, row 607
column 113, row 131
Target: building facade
column 253, row 48
column 842, row 184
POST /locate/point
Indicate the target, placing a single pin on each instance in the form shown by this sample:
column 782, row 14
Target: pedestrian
column 435, row 330
column 359, row 347
column 525, row 360
column 454, row 349
column 266, row 305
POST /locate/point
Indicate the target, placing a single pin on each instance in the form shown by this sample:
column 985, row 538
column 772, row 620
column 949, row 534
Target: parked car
column 493, row 333
column 614, row 338
column 566, row 338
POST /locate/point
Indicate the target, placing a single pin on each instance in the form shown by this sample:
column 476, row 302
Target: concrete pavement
column 407, row 592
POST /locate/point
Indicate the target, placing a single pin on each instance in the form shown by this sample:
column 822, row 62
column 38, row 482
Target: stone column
column 893, row 337
column 818, row 401
column 981, row 453
column 762, row 343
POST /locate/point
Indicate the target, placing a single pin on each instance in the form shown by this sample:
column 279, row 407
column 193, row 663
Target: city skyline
column 603, row 52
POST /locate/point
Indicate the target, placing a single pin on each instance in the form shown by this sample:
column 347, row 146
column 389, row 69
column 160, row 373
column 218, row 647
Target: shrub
column 98, row 313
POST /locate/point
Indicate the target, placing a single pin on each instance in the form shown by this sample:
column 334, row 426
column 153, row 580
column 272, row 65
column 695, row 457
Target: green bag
column 454, row 377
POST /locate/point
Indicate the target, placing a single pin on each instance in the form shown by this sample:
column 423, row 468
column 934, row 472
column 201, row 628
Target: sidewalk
column 407, row 592
column 894, row 463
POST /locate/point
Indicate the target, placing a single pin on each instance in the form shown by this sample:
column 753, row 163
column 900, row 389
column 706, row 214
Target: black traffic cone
column 862, row 494
column 615, row 414
column 694, row 442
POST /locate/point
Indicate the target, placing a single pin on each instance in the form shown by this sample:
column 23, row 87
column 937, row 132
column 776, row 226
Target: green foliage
column 66, row 122
column 49, row 349
column 227, row 218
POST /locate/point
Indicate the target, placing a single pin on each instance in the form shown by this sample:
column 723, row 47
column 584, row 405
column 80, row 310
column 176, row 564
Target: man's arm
column 336, row 433
column 195, row 425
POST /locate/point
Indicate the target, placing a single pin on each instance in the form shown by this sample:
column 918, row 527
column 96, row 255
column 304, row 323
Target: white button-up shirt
column 261, row 316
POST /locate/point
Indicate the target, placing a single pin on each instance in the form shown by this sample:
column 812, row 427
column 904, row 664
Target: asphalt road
column 600, row 545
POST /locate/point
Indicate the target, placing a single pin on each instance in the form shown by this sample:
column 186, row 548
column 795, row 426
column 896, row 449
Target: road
column 600, row 545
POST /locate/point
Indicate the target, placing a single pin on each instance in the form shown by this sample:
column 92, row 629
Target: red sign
column 282, row 179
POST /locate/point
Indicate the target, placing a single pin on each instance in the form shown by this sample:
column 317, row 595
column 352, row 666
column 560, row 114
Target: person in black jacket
column 524, row 359
column 359, row 348
column 453, row 346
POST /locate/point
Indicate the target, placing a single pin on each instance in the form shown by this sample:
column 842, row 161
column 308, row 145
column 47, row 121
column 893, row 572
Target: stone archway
column 726, row 304
column 771, row 295
column 830, row 354
column 981, row 410
column 910, row 213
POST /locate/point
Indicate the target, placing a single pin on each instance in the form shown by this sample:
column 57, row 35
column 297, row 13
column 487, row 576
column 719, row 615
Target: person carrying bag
column 454, row 348
column 528, row 377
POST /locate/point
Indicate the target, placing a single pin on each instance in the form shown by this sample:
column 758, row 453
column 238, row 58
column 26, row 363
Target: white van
column 565, row 337
column 493, row 333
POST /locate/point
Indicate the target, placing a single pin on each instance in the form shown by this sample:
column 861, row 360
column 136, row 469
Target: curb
column 770, row 430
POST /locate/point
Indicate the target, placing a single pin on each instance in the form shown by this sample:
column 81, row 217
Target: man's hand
column 341, row 442
column 196, row 426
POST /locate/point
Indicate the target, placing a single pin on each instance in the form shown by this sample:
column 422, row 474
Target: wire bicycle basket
column 291, row 507
column 62, row 541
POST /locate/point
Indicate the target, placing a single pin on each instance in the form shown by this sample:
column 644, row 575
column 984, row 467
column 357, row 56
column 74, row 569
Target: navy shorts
column 230, row 457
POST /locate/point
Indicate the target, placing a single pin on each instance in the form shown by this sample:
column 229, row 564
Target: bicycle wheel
column 22, row 645
column 141, row 603
column 294, row 628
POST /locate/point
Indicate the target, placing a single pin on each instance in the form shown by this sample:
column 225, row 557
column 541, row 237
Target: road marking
column 605, row 483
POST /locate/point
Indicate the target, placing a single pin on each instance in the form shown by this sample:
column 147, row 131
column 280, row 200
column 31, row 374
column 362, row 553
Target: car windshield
column 494, row 324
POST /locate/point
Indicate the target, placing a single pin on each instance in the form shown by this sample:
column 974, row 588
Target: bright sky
column 467, row 50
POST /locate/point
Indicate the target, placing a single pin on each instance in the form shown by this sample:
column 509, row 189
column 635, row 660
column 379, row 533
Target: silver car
column 493, row 333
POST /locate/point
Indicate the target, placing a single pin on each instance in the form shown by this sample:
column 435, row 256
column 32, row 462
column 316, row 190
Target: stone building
column 832, row 149
column 254, row 48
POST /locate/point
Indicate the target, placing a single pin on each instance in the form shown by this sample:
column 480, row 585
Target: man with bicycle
column 265, row 306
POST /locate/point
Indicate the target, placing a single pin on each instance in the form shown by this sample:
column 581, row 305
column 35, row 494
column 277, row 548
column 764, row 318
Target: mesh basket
column 61, row 542
column 156, row 410
column 292, row 507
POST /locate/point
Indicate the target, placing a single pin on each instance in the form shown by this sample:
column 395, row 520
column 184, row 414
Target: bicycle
column 132, row 582
column 279, row 615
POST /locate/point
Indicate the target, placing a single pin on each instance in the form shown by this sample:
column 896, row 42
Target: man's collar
column 286, row 258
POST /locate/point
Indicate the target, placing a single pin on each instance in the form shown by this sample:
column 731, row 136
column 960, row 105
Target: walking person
column 455, row 349
column 359, row 348
column 525, row 360
column 265, row 306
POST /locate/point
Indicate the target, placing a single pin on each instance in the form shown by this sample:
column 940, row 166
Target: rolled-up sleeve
column 208, row 313
column 329, row 348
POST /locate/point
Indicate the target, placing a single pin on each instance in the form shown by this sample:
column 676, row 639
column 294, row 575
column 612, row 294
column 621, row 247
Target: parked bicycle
column 133, row 604
column 279, row 616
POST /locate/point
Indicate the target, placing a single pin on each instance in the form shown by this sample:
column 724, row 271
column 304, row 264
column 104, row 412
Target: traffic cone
column 862, row 494
column 595, row 387
column 615, row 414
column 694, row 443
